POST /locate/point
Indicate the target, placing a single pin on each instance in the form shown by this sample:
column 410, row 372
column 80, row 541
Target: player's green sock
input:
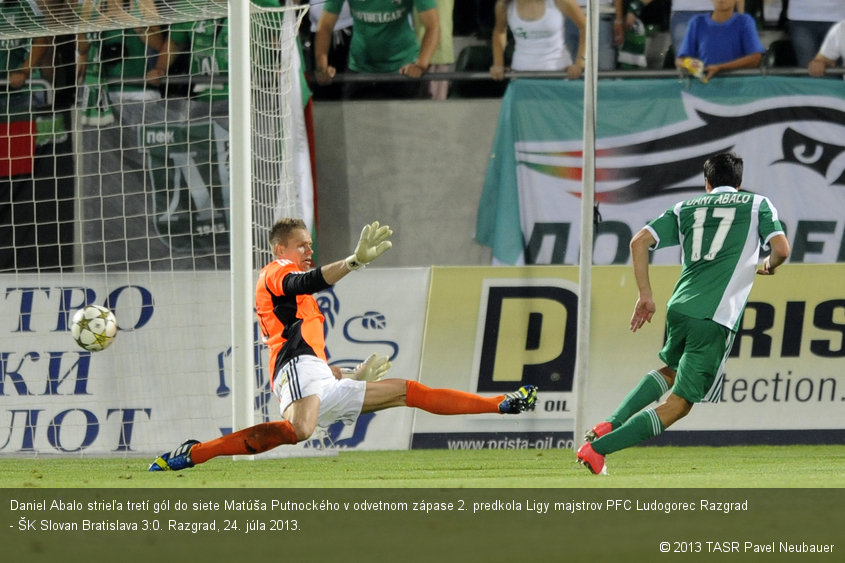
column 650, row 388
column 640, row 427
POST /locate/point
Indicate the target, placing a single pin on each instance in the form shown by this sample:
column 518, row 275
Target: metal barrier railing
column 611, row 74
column 42, row 86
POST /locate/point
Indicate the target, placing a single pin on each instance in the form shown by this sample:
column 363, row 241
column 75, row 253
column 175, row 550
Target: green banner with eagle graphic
column 652, row 138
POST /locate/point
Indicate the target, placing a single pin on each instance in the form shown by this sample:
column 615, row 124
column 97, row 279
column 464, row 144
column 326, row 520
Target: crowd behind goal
column 92, row 56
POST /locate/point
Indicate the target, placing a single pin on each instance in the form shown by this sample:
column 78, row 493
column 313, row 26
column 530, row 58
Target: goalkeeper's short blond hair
column 280, row 232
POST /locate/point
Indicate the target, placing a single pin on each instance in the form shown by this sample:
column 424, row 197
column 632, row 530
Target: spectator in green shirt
column 383, row 41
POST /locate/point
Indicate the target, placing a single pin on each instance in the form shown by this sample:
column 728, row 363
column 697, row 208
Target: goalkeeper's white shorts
column 340, row 399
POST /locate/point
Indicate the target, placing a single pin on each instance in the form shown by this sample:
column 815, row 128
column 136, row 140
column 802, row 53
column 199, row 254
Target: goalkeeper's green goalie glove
column 373, row 243
column 373, row 368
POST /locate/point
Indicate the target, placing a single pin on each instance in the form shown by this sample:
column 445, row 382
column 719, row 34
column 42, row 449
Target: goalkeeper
column 312, row 393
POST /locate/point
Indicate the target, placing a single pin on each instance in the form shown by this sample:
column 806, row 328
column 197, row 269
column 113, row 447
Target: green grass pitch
column 642, row 467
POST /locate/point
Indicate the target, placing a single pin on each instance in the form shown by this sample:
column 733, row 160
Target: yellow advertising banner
column 491, row 329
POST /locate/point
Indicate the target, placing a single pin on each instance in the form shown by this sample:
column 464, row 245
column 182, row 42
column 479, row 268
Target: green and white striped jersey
column 720, row 235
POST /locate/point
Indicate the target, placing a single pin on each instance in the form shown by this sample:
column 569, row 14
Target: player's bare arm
column 780, row 252
column 644, row 308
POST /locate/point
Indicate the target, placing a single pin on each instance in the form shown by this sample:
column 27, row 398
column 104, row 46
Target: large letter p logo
column 529, row 336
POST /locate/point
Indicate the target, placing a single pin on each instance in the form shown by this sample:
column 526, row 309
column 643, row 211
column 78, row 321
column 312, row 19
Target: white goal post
column 128, row 182
column 268, row 132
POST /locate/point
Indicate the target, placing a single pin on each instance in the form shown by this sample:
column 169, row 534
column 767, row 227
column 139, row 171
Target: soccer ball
column 94, row 328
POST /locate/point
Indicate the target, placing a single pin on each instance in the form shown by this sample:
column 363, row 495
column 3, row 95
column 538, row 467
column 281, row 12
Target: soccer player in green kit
column 721, row 234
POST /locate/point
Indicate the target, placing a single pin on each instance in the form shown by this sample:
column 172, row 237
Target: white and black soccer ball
column 94, row 328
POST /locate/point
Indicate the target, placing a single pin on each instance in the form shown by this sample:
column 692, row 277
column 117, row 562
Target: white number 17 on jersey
column 725, row 215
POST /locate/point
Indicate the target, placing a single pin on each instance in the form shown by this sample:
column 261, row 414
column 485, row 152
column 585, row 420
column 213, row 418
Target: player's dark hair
column 724, row 169
column 280, row 232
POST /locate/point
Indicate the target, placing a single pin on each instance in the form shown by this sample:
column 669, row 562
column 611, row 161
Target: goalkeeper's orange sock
column 252, row 440
column 449, row 401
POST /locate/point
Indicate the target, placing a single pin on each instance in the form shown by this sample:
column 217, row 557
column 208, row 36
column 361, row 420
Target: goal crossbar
column 46, row 18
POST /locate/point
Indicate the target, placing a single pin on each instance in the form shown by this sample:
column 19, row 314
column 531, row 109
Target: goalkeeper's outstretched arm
column 374, row 241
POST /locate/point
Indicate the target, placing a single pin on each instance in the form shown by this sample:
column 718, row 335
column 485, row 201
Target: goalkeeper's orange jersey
column 291, row 325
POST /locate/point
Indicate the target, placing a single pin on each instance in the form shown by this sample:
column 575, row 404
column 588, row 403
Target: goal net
column 115, row 168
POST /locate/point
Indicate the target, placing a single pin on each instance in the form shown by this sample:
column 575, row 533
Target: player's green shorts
column 696, row 349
